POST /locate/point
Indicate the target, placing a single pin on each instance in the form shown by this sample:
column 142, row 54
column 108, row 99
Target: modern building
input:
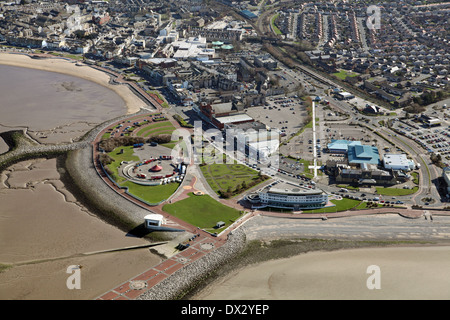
column 344, row 95
column 254, row 140
column 341, row 146
column 398, row 162
column 288, row 196
column 360, row 154
column 248, row 14
column 430, row 121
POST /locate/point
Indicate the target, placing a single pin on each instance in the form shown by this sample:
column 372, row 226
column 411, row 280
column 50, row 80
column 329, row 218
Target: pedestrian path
column 142, row 283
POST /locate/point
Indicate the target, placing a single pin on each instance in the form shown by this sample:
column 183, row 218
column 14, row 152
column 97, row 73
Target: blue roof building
column 363, row 154
column 341, row 146
column 248, row 14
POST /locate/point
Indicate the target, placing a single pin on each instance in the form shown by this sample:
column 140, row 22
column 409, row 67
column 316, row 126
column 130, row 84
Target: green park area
column 344, row 74
column 118, row 156
column 396, row 191
column 203, row 211
column 339, row 205
column 229, row 180
column 274, row 27
column 150, row 194
column 163, row 127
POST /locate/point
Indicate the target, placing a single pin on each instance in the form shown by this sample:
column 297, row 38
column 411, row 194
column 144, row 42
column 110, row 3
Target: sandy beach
column 132, row 102
column 40, row 220
column 405, row 273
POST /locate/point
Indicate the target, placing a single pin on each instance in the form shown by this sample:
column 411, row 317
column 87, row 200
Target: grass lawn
column 396, row 191
column 151, row 194
column 153, row 126
column 161, row 130
column 415, row 176
column 221, row 177
column 341, row 205
column 344, row 74
column 203, row 212
column 274, row 27
column 128, row 155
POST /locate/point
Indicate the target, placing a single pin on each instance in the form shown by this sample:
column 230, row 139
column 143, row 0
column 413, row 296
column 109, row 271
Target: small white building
column 153, row 220
column 398, row 162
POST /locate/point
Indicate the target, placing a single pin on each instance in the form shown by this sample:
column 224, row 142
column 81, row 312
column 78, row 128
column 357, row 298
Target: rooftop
column 286, row 188
column 234, row 118
column 342, row 144
column 363, row 154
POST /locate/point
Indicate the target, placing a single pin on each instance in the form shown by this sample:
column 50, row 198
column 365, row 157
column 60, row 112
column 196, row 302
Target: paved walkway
column 133, row 288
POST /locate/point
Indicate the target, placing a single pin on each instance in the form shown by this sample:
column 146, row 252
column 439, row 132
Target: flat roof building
column 236, row 118
column 344, row 95
column 398, row 162
column 153, row 220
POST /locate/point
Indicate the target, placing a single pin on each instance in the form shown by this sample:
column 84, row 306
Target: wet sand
column 132, row 102
column 405, row 273
column 54, row 107
column 57, row 101
column 40, row 219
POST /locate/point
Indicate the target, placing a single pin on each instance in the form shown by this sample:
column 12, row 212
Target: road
column 362, row 33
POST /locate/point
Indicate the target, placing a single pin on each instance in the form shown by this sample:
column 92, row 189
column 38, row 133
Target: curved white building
column 288, row 196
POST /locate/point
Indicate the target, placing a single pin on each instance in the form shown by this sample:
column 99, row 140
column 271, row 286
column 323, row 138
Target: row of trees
column 110, row 144
column 230, row 192
column 429, row 97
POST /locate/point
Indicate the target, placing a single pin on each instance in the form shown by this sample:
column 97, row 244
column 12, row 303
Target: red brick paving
column 146, row 275
column 156, row 274
column 166, row 265
column 173, row 269
column 109, row 296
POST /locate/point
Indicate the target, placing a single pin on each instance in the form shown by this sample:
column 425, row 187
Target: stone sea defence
column 186, row 278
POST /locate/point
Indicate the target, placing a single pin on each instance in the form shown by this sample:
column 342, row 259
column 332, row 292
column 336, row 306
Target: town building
column 341, row 146
column 398, row 162
column 360, row 154
column 288, row 196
